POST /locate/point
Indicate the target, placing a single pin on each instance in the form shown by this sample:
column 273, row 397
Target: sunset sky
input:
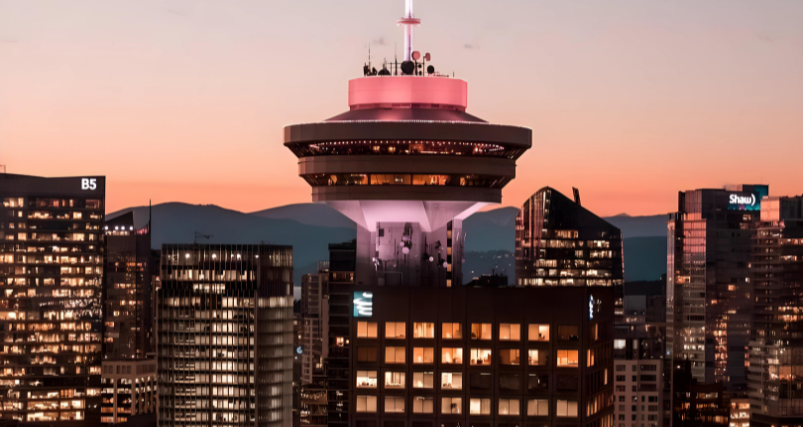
column 630, row 101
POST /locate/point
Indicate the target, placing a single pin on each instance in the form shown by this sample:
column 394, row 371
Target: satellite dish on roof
column 416, row 55
column 407, row 67
column 426, row 57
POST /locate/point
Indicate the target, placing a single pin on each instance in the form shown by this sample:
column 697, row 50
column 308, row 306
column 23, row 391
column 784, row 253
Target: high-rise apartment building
column 776, row 347
column 639, row 385
column 709, row 294
column 51, row 285
column 225, row 326
column 128, row 319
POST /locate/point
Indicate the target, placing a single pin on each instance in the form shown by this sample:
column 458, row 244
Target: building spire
column 408, row 21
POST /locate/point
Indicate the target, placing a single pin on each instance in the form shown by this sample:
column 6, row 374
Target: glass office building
column 51, row 277
column 709, row 304
column 776, row 346
column 225, row 335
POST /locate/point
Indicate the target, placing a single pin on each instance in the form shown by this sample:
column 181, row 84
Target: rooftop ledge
column 377, row 90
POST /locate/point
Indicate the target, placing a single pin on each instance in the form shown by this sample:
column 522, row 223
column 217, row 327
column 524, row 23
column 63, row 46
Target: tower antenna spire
column 408, row 20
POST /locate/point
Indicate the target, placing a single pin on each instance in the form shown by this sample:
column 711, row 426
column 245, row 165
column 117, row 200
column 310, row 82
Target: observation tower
column 407, row 163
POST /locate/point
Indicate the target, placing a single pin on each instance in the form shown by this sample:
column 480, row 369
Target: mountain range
column 310, row 227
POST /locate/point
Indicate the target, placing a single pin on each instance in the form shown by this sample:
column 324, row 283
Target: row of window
column 478, row 331
column 477, row 356
column 476, row 406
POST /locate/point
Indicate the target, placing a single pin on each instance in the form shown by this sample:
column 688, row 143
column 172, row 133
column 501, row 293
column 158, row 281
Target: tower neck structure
column 407, row 164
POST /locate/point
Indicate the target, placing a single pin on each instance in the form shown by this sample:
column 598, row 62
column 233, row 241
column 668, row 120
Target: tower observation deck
column 407, row 163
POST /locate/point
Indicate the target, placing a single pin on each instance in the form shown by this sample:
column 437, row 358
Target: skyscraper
column 51, row 277
column 776, row 346
column 225, row 325
column 128, row 318
column 709, row 303
column 407, row 164
column 563, row 248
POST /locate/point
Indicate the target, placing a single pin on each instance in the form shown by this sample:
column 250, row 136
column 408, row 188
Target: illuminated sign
column 750, row 201
column 89, row 184
column 299, row 350
column 593, row 306
column 363, row 304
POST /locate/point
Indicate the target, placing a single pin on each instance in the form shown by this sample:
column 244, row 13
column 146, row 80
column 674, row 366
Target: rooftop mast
column 408, row 21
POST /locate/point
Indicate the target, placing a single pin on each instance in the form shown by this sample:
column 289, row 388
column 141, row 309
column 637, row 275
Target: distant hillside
column 308, row 213
column 640, row 226
column 492, row 230
column 310, row 227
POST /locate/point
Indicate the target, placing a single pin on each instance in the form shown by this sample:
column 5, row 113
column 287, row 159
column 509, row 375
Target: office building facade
column 560, row 243
column 314, row 319
column 482, row 356
column 709, row 304
column 51, row 285
column 128, row 319
column 776, row 347
column 129, row 391
column 225, row 326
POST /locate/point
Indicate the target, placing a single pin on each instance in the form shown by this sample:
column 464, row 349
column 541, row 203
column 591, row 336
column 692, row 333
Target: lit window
column 423, row 355
column 567, row 358
column 451, row 405
column 509, row 332
column 537, row 357
column 423, row 405
column 590, row 358
column 508, row 406
column 480, row 356
column 423, row 330
column 366, row 404
column 538, row 407
column 395, row 330
column 481, row 331
column 366, row 329
column 452, row 355
column 452, row 331
column 566, row 408
column 394, row 379
column 423, row 379
column 395, row 354
column 394, row 404
column 366, row 379
column 538, row 332
column 509, row 356
column 451, row 381
column 479, row 406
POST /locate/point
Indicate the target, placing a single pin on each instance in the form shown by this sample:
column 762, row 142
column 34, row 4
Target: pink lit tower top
column 407, row 163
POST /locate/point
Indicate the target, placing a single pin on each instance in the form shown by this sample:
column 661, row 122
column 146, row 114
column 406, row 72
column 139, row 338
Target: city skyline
column 180, row 101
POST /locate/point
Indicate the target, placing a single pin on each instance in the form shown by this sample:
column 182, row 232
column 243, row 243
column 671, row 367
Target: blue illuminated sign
column 363, row 304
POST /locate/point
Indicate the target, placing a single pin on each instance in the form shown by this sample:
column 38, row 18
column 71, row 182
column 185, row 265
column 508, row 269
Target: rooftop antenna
column 408, row 20
column 201, row 235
